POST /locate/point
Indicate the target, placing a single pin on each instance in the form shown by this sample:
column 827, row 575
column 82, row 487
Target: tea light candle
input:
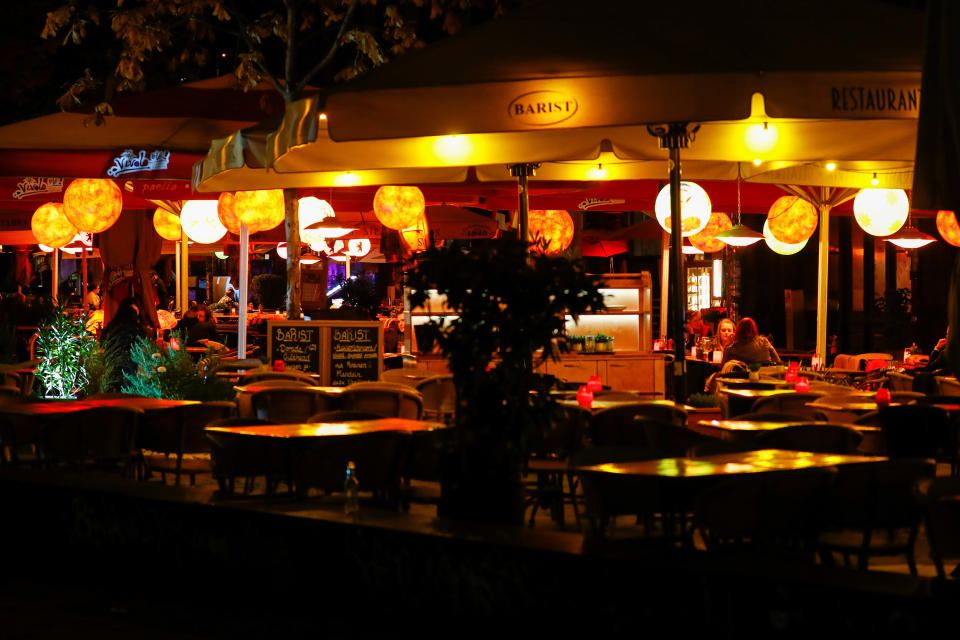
column 791, row 376
column 594, row 384
column 585, row 397
column 883, row 397
column 802, row 385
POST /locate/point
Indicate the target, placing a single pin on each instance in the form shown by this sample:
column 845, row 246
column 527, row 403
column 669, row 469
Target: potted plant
column 509, row 309
column 703, row 406
column 64, row 345
column 604, row 343
column 575, row 343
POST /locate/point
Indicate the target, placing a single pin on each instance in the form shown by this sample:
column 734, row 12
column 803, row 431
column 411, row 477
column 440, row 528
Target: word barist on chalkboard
column 354, row 354
column 297, row 344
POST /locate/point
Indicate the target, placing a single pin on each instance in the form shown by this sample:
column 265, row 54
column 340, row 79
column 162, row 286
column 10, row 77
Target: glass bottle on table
column 351, row 489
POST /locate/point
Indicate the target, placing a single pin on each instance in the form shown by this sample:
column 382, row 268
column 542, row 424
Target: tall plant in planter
column 509, row 313
column 64, row 346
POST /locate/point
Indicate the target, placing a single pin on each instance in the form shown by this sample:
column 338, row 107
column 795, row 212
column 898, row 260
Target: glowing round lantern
column 398, row 207
column 792, row 219
column 551, row 230
column 166, row 224
column 416, row 237
column 200, row 221
column 776, row 246
column 695, row 208
column 313, row 210
column 357, row 247
column 948, row 227
column 50, row 225
column 92, row 205
column 705, row 239
column 226, row 212
column 260, row 210
column 881, row 212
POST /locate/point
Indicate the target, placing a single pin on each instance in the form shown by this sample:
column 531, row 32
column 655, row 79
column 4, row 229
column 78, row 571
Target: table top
column 764, row 425
column 728, row 464
column 600, row 404
column 255, row 387
column 66, row 406
column 327, row 429
column 856, row 403
column 755, row 393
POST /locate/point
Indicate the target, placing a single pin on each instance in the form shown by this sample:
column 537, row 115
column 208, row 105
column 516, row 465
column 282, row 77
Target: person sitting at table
column 724, row 338
column 696, row 330
column 749, row 346
column 201, row 328
column 118, row 339
column 924, row 378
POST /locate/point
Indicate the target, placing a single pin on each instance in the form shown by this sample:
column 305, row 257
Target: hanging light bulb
column 761, row 138
column 739, row 235
column 875, row 180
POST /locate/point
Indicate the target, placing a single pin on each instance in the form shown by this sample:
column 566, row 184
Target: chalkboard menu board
column 354, row 353
column 296, row 343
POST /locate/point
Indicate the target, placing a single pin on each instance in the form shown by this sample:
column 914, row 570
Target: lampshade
column 309, row 258
column 416, row 237
column 740, row 236
column 92, row 205
column 776, row 246
column 398, row 207
column 705, row 239
column 695, row 208
column 227, row 213
column 50, row 225
column 201, row 222
column 167, row 319
column 221, row 255
column 329, row 228
column 327, row 249
column 358, row 247
column 948, row 227
column 166, row 224
column 260, row 210
column 282, row 250
column 881, row 212
column 312, row 212
column 550, row 229
column 80, row 242
column 791, row 219
column 910, row 238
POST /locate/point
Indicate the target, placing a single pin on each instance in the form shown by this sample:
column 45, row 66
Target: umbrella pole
column 176, row 275
column 183, row 278
column 674, row 137
column 522, row 172
column 83, row 278
column 244, row 277
column 822, row 282
column 55, row 275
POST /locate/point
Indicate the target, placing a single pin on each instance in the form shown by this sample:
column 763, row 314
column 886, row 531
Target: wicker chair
column 385, row 399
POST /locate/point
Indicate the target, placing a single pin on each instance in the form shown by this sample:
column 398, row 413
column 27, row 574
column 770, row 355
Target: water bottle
column 352, row 491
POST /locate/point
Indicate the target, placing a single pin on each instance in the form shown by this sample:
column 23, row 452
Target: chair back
column 439, row 397
column 795, row 403
column 342, row 416
column 290, row 404
column 674, row 441
column 233, row 366
column 906, row 396
column 388, row 400
column 915, row 430
column 773, row 416
column 819, row 438
column 291, row 376
column 407, row 376
column 99, row 434
column 948, row 386
column 943, row 520
column 844, row 361
column 277, row 382
column 900, row 381
column 877, row 495
column 566, row 434
column 779, row 512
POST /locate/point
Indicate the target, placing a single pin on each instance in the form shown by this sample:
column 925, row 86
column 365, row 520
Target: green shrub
column 64, row 345
column 703, row 400
column 171, row 374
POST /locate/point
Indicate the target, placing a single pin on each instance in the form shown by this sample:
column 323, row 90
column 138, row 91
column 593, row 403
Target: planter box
column 695, row 415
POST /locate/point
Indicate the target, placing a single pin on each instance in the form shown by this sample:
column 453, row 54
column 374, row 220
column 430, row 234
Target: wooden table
column 601, row 404
column 851, row 403
column 309, row 455
column 67, row 406
column 739, row 430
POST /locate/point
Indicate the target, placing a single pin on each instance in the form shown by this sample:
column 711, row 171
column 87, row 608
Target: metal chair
column 292, row 376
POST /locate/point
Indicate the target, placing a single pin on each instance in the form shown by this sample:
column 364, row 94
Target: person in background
column 749, row 346
column 695, row 328
column 201, row 328
column 228, row 299
column 93, row 298
column 724, row 338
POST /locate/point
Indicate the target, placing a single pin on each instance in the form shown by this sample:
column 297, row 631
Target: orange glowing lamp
column 92, row 205
column 260, row 210
column 551, row 230
column 226, row 212
column 948, row 227
column 706, row 240
column 398, row 207
column 792, row 219
column 166, row 224
column 416, row 237
column 51, row 227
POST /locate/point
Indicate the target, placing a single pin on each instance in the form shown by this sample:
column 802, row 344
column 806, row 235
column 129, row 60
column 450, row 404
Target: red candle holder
column 175, row 344
column 594, row 384
column 883, row 397
column 791, row 376
column 585, row 397
column 279, row 365
column 802, row 384
column 794, row 366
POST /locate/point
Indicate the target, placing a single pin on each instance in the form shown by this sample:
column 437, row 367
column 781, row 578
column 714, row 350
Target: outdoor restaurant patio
column 471, row 363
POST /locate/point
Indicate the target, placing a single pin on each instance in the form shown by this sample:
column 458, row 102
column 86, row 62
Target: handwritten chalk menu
column 297, row 343
column 355, row 353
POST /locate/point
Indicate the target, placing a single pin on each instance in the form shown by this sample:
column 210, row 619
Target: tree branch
column 245, row 35
column 333, row 49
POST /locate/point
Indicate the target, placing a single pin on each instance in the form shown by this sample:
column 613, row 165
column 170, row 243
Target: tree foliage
column 63, row 345
column 291, row 44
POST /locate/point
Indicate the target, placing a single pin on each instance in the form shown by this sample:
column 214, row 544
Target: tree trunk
column 292, row 222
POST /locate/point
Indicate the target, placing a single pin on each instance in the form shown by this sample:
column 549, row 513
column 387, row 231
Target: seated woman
column 695, row 329
column 201, row 328
column 724, row 338
column 749, row 346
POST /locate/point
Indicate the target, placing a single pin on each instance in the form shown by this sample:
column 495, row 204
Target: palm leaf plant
column 64, row 346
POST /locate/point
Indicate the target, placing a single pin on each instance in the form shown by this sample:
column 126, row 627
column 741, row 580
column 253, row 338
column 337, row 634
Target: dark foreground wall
column 246, row 569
